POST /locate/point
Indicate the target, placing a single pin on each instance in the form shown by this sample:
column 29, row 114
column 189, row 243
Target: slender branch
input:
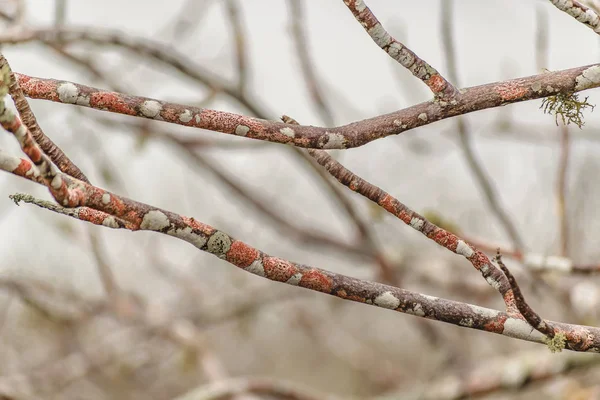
column 28, row 118
column 347, row 136
column 444, row 238
column 440, row 87
column 206, row 238
column 526, row 311
column 581, row 13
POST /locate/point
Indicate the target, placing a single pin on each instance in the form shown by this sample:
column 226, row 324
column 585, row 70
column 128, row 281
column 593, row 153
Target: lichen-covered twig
column 57, row 156
column 440, row 87
column 526, row 311
column 347, row 136
column 581, row 13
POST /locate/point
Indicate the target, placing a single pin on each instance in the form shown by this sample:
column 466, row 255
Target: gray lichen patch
column 289, row 132
column 588, row 78
column 219, row 244
column 67, row 93
column 185, row 116
column 242, row 130
column 380, row 36
column 387, row 300
column 154, row 221
column 334, row 141
column 257, row 268
column 423, row 117
column 150, row 108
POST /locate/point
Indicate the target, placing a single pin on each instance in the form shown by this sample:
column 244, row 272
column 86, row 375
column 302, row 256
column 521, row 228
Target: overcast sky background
column 495, row 41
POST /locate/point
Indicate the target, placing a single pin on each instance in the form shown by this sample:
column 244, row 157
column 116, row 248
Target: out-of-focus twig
column 561, row 190
column 306, row 64
column 484, row 182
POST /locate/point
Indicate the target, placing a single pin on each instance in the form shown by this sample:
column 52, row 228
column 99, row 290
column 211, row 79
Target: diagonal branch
column 140, row 216
column 581, row 13
column 47, row 145
column 440, row 87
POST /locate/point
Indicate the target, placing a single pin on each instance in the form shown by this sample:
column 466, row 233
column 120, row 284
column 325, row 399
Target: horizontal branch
column 348, row 136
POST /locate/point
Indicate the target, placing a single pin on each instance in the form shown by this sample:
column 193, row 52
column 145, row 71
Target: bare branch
column 347, row 136
column 440, row 87
column 581, row 13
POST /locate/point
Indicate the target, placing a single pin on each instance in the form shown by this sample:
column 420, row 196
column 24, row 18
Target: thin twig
column 440, row 87
column 526, row 311
column 581, row 13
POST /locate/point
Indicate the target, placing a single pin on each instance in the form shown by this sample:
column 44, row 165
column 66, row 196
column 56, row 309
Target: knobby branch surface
column 52, row 150
column 581, row 13
column 92, row 204
column 440, row 87
column 347, row 136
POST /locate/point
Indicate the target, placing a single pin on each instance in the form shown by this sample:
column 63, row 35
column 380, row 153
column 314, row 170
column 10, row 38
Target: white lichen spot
column 105, row 198
column 588, row 78
column 486, row 313
column 185, row 116
column 360, row 5
column 395, row 51
column 468, row 322
column 520, row 329
column 417, row 223
column 8, row 163
column 536, row 87
column 154, row 221
column 334, row 141
column 197, row 118
column 464, row 249
column 380, row 36
column 256, row 268
column 83, row 100
column 549, row 89
column 189, row 236
column 21, row 132
column 219, row 244
column 404, row 126
column 67, row 92
column 288, row 132
column 151, row 109
column 242, row 130
column 492, row 282
column 57, row 182
column 397, row 122
column 418, row 310
column 387, row 300
column 110, row 222
column 422, row 117
column 295, row 279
